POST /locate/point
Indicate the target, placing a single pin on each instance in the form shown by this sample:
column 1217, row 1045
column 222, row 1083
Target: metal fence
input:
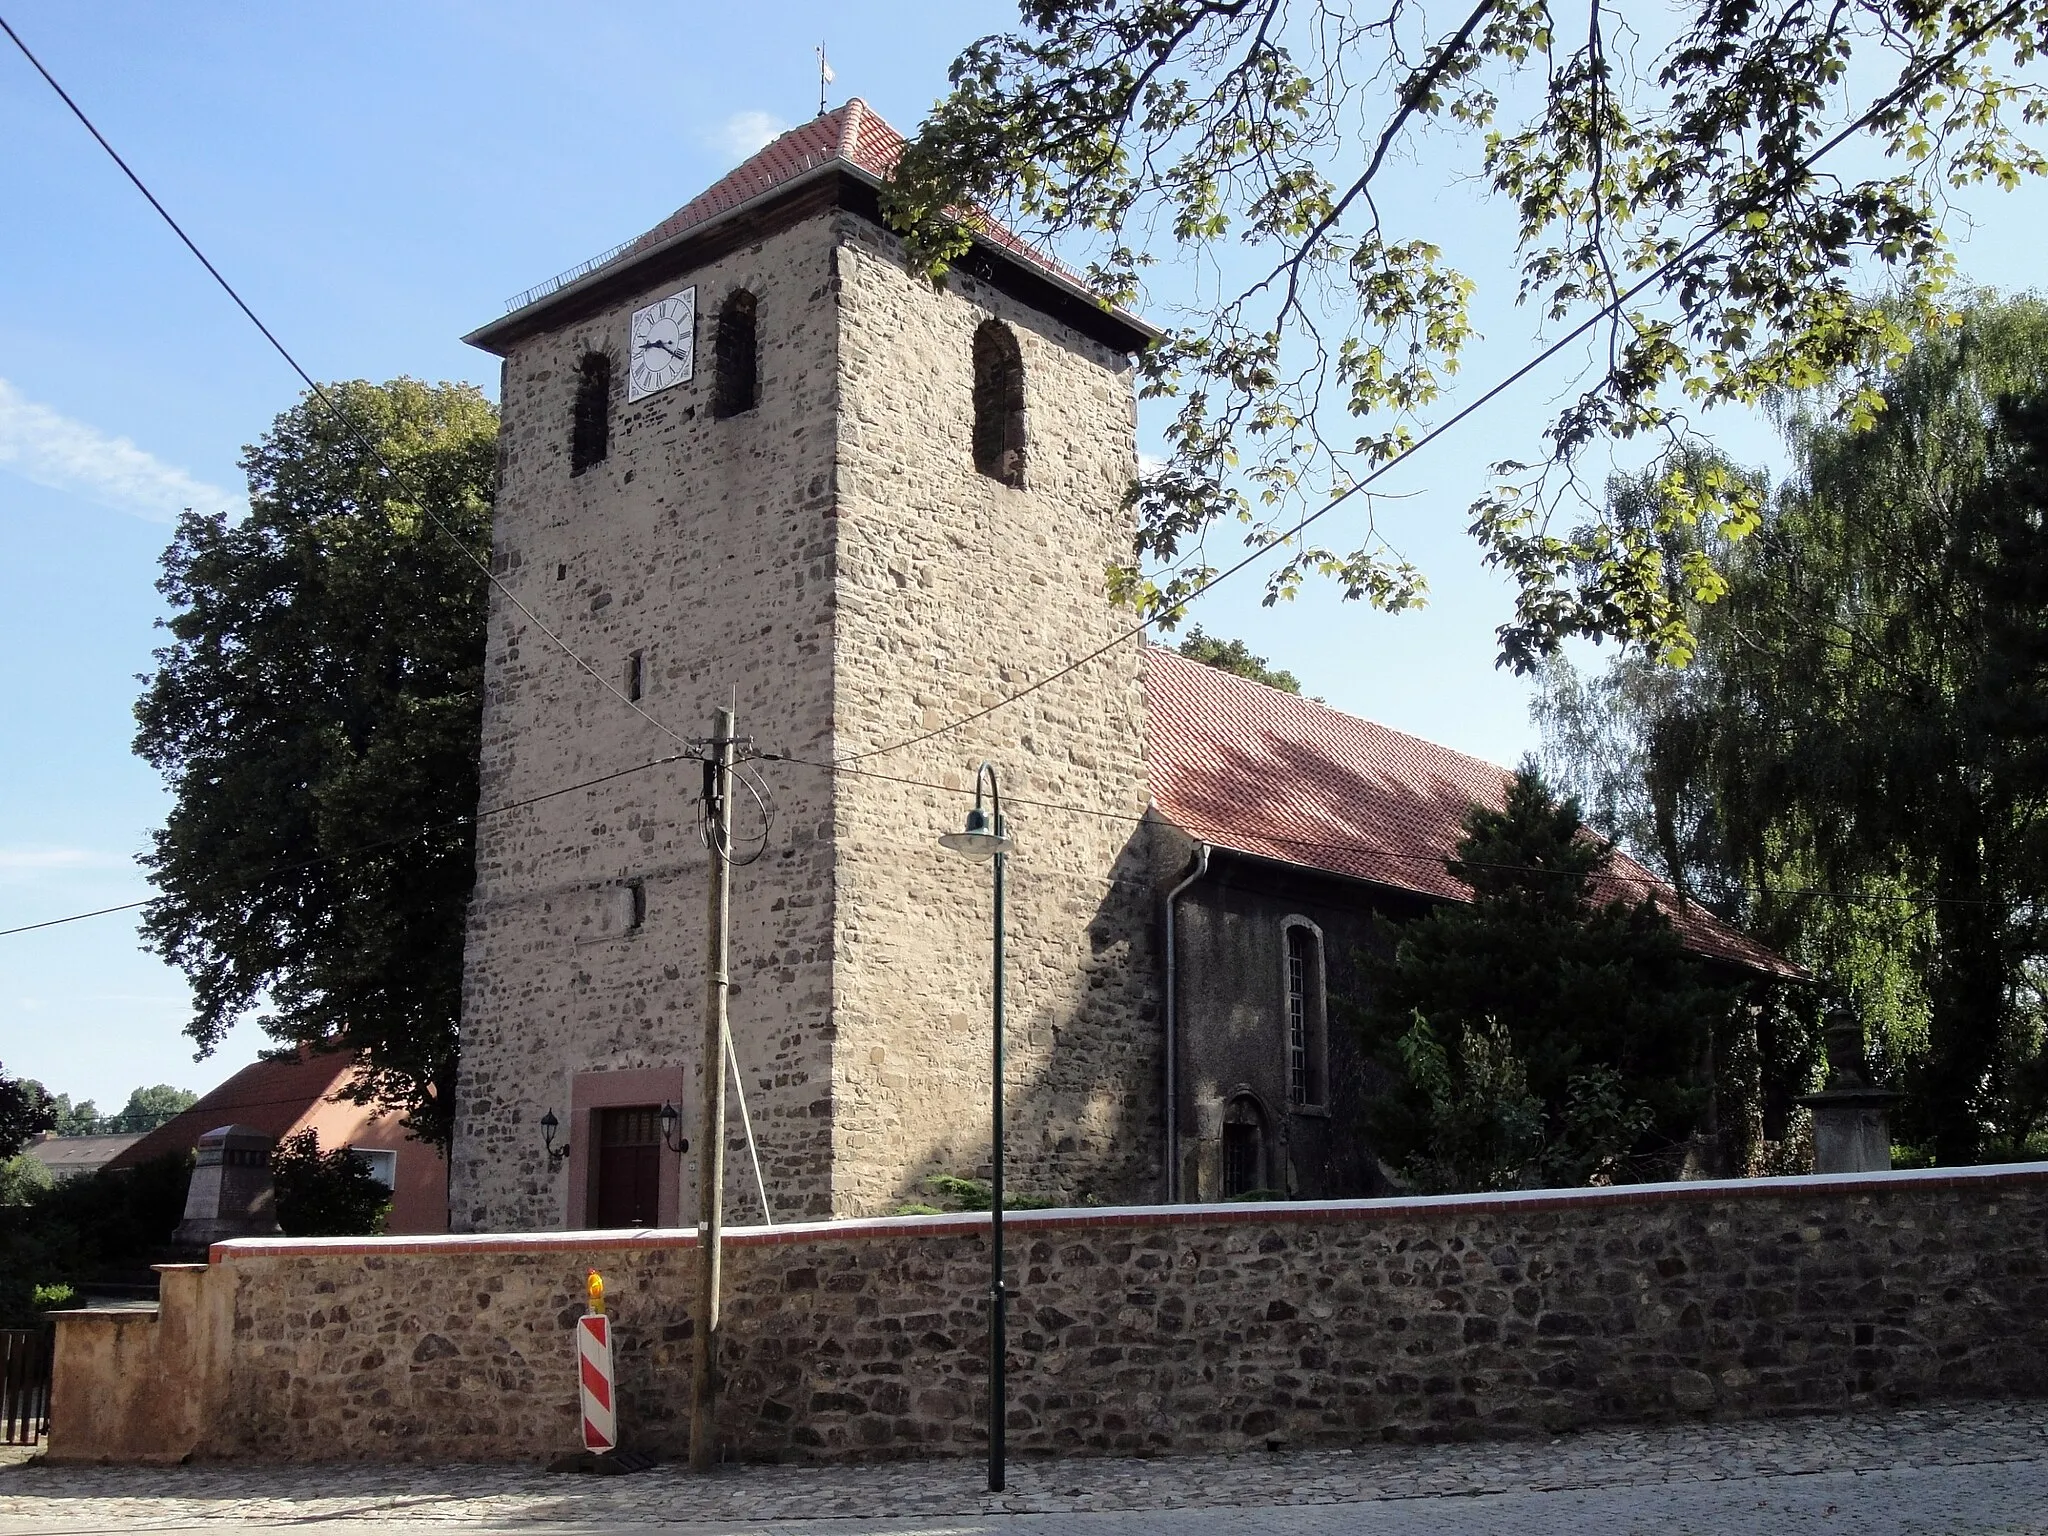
column 25, row 1358
column 562, row 280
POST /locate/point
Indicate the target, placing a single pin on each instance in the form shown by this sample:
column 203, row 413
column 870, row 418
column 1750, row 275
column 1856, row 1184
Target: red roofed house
column 286, row 1094
column 756, row 458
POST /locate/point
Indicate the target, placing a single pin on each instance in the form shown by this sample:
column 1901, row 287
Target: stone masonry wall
column 1170, row 1329
column 706, row 544
column 955, row 590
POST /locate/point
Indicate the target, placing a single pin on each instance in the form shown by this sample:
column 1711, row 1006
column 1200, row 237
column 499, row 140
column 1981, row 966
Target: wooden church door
column 629, row 1167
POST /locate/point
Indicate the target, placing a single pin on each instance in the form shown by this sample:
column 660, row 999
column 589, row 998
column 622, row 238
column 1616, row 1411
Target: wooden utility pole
column 711, row 1142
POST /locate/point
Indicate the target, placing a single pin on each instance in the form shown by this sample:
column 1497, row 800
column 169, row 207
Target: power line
column 371, row 847
column 391, row 471
column 1433, row 857
column 348, row 424
column 843, row 766
column 79, row 917
column 1911, row 83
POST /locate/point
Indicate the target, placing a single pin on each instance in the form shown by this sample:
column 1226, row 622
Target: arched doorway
column 1244, row 1146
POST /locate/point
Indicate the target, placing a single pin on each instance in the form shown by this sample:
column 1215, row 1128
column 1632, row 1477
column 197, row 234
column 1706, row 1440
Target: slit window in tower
column 590, row 428
column 738, row 352
column 998, row 403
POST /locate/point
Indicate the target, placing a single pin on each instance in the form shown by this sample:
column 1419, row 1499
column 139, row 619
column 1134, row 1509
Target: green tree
column 1630, row 742
column 1861, row 744
column 1535, row 1035
column 22, row 1177
column 1469, row 1121
column 317, row 715
column 26, row 1111
column 325, row 1194
column 148, row 1108
column 65, row 1118
column 80, row 1119
column 1661, row 184
column 74, row 1230
column 1233, row 656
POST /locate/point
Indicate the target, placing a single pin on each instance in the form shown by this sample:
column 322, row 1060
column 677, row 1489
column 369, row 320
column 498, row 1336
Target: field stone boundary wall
column 1134, row 1331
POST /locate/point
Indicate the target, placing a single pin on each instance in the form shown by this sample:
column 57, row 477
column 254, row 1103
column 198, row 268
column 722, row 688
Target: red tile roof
column 853, row 135
column 269, row 1096
column 1250, row 768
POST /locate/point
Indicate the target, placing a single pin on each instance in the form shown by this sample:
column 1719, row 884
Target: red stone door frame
column 592, row 1091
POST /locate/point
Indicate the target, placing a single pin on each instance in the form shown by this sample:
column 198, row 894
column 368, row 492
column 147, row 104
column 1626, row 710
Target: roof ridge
column 852, row 136
column 851, row 111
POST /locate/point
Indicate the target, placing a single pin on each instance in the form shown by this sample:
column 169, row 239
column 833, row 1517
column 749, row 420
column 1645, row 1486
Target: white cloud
column 40, row 445
column 744, row 132
column 1150, row 464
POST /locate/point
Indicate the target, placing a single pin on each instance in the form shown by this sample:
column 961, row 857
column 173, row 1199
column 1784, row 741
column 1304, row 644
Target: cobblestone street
column 1980, row 1468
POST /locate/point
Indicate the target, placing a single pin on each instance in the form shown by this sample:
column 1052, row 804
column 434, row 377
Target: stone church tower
column 752, row 458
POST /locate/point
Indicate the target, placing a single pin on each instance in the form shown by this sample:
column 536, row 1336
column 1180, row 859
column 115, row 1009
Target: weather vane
column 825, row 78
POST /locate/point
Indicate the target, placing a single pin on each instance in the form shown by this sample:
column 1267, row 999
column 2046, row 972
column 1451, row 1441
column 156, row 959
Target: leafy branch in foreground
column 1256, row 136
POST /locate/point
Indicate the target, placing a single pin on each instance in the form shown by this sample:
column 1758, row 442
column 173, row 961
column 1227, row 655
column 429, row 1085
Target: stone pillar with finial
column 1852, row 1115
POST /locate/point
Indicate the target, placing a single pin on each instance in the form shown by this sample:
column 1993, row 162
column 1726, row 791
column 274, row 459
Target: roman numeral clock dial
column 664, row 344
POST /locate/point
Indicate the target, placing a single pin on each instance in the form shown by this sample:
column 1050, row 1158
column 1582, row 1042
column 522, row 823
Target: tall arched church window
column 590, row 426
column 1244, row 1147
column 1304, row 1012
column 737, row 349
column 998, row 403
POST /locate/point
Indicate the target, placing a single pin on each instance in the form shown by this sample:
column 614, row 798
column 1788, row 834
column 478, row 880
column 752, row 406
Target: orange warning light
column 595, row 1285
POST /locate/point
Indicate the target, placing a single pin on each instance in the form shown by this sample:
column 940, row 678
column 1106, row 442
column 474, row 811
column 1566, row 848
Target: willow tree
column 317, row 715
column 1704, row 201
column 1857, row 762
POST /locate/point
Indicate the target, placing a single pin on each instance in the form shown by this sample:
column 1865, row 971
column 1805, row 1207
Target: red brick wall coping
column 1234, row 1214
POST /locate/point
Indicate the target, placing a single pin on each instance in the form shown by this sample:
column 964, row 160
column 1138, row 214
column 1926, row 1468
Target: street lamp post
column 987, row 838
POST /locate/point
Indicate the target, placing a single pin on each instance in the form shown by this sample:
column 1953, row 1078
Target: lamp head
column 671, row 1118
column 982, row 839
column 549, row 1125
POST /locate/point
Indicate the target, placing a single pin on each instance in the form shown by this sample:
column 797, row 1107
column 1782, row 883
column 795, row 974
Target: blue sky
column 377, row 179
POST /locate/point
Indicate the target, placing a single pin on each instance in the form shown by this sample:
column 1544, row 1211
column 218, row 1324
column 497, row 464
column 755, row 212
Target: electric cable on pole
column 717, row 809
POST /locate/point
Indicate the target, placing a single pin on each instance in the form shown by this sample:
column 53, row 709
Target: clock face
column 664, row 344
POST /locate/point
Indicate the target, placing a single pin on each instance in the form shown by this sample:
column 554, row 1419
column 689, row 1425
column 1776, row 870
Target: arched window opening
column 590, row 428
column 1303, row 984
column 737, row 349
column 998, row 403
column 1244, row 1147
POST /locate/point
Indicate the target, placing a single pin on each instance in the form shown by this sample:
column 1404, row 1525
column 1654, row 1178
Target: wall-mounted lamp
column 549, row 1125
column 671, row 1119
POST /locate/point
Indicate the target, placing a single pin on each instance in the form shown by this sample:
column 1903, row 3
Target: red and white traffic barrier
column 594, row 1372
